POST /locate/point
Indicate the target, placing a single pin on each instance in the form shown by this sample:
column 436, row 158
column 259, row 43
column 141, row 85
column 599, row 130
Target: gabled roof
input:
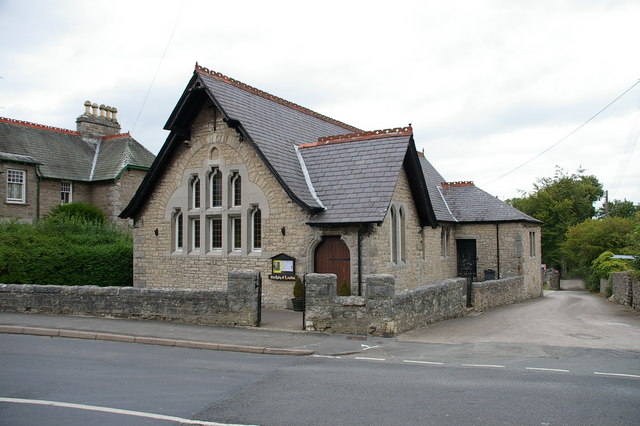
column 466, row 203
column 355, row 175
column 64, row 154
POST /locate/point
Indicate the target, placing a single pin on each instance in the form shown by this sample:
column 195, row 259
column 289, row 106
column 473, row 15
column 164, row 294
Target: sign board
column 283, row 267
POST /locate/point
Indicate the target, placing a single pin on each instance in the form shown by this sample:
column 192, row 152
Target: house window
column 215, row 226
column 236, row 190
column 402, row 235
column 178, row 234
column 195, row 193
column 65, row 193
column 394, row 235
column 195, row 234
column 215, row 183
column 236, row 234
column 256, row 230
column 532, row 243
column 16, row 180
column 445, row 241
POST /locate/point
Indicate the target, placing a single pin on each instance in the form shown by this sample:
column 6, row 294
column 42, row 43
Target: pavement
column 280, row 333
column 561, row 318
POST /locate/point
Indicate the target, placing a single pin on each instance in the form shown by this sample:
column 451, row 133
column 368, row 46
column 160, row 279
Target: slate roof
column 66, row 155
column 274, row 126
column 464, row 202
column 355, row 180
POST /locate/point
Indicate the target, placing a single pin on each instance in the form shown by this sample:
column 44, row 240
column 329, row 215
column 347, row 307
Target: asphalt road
column 153, row 381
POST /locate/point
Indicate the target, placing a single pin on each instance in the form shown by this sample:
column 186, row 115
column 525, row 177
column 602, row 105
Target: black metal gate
column 467, row 265
column 259, row 307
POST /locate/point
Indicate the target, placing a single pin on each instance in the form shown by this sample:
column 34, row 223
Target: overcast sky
column 487, row 85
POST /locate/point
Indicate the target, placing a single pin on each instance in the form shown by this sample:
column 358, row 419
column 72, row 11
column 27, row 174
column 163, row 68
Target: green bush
column 602, row 267
column 345, row 288
column 82, row 211
column 64, row 250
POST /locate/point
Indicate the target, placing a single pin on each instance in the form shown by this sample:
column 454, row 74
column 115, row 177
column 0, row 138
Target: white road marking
column 366, row 347
column 369, row 359
column 326, row 356
column 114, row 411
column 483, row 365
column 558, row 370
column 617, row 375
column 410, row 361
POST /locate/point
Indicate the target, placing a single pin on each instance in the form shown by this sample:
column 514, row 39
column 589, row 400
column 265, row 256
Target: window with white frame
column 256, row 229
column 236, row 190
column 195, row 192
column 394, row 235
column 215, row 185
column 445, row 241
column 403, row 243
column 178, row 234
column 236, row 234
column 66, row 192
column 195, row 234
column 16, row 186
column 215, row 229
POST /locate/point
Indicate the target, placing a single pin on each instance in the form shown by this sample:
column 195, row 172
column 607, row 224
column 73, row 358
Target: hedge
column 65, row 251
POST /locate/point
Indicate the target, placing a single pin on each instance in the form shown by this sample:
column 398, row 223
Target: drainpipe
column 38, row 178
column 360, row 260
column 497, row 250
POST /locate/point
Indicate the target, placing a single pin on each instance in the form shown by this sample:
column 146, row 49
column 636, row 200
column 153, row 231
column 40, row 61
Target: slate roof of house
column 465, row 202
column 274, row 125
column 66, row 155
column 355, row 180
column 333, row 170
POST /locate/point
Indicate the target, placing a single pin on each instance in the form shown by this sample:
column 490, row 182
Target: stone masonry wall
column 113, row 196
column 238, row 306
column 625, row 289
column 380, row 312
column 492, row 294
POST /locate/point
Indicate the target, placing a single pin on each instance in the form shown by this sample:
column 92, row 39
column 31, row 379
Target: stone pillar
column 381, row 290
column 320, row 290
column 242, row 296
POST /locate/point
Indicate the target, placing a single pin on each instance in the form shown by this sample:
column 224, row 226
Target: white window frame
column 68, row 191
column 17, row 177
column 178, row 231
column 194, row 233
column 532, row 243
column 256, row 211
column 402, row 233
column 211, row 220
column 235, row 180
column 196, row 192
column 235, row 241
column 394, row 234
column 215, row 172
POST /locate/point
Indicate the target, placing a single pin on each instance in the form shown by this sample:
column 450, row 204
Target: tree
column 618, row 208
column 589, row 239
column 560, row 201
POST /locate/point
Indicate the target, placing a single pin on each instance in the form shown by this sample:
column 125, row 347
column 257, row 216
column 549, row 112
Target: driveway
column 560, row 318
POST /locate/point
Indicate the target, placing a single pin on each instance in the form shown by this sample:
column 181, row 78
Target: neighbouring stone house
column 44, row 166
column 247, row 180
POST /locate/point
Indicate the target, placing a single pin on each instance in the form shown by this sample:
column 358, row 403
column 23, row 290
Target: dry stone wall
column 492, row 294
column 237, row 306
column 625, row 289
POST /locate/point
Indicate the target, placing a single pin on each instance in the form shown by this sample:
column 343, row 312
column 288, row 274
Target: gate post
column 243, row 296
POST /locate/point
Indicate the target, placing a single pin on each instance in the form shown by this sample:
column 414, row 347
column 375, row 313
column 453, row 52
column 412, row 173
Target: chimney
column 97, row 121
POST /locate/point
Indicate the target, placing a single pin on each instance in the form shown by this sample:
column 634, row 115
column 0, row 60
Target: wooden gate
column 332, row 257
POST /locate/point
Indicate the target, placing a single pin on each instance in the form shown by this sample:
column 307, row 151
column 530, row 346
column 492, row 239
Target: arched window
column 177, row 231
column 236, row 190
column 256, row 230
column 195, row 192
column 394, row 235
column 402, row 235
column 215, row 183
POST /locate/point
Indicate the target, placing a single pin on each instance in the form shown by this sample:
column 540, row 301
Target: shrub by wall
column 65, row 251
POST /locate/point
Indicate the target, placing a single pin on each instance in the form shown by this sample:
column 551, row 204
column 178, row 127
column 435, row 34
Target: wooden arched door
column 332, row 257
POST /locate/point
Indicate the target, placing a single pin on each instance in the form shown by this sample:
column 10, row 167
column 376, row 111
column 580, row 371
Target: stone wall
column 237, row 306
column 551, row 278
column 625, row 289
column 381, row 312
column 492, row 294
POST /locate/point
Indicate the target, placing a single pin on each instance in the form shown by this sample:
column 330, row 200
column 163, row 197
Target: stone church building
column 44, row 166
column 247, row 180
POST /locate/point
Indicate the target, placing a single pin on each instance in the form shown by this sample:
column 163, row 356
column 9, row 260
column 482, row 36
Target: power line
column 153, row 80
column 630, row 147
column 567, row 136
